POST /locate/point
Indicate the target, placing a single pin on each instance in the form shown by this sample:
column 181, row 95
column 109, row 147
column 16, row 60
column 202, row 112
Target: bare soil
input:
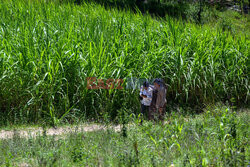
column 33, row 132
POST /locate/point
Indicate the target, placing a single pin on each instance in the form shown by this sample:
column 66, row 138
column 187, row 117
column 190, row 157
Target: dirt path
column 59, row 131
column 33, row 132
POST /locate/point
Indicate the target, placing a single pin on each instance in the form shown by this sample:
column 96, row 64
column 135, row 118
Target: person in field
column 146, row 98
column 158, row 105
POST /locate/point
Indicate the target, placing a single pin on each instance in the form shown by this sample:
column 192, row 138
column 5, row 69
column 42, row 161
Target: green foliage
column 226, row 24
column 48, row 48
column 218, row 137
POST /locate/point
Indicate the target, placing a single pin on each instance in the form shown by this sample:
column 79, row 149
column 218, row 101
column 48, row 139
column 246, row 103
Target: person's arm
column 163, row 97
column 154, row 97
column 158, row 100
column 150, row 93
column 141, row 93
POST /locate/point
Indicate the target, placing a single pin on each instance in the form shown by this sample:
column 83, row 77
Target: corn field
column 48, row 49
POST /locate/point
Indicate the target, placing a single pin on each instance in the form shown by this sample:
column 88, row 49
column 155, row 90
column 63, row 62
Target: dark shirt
column 154, row 97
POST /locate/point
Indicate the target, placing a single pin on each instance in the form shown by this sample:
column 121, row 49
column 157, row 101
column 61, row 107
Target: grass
column 218, row 137
column 47, row 49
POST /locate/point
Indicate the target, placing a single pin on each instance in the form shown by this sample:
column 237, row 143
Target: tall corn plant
column 48, row 49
